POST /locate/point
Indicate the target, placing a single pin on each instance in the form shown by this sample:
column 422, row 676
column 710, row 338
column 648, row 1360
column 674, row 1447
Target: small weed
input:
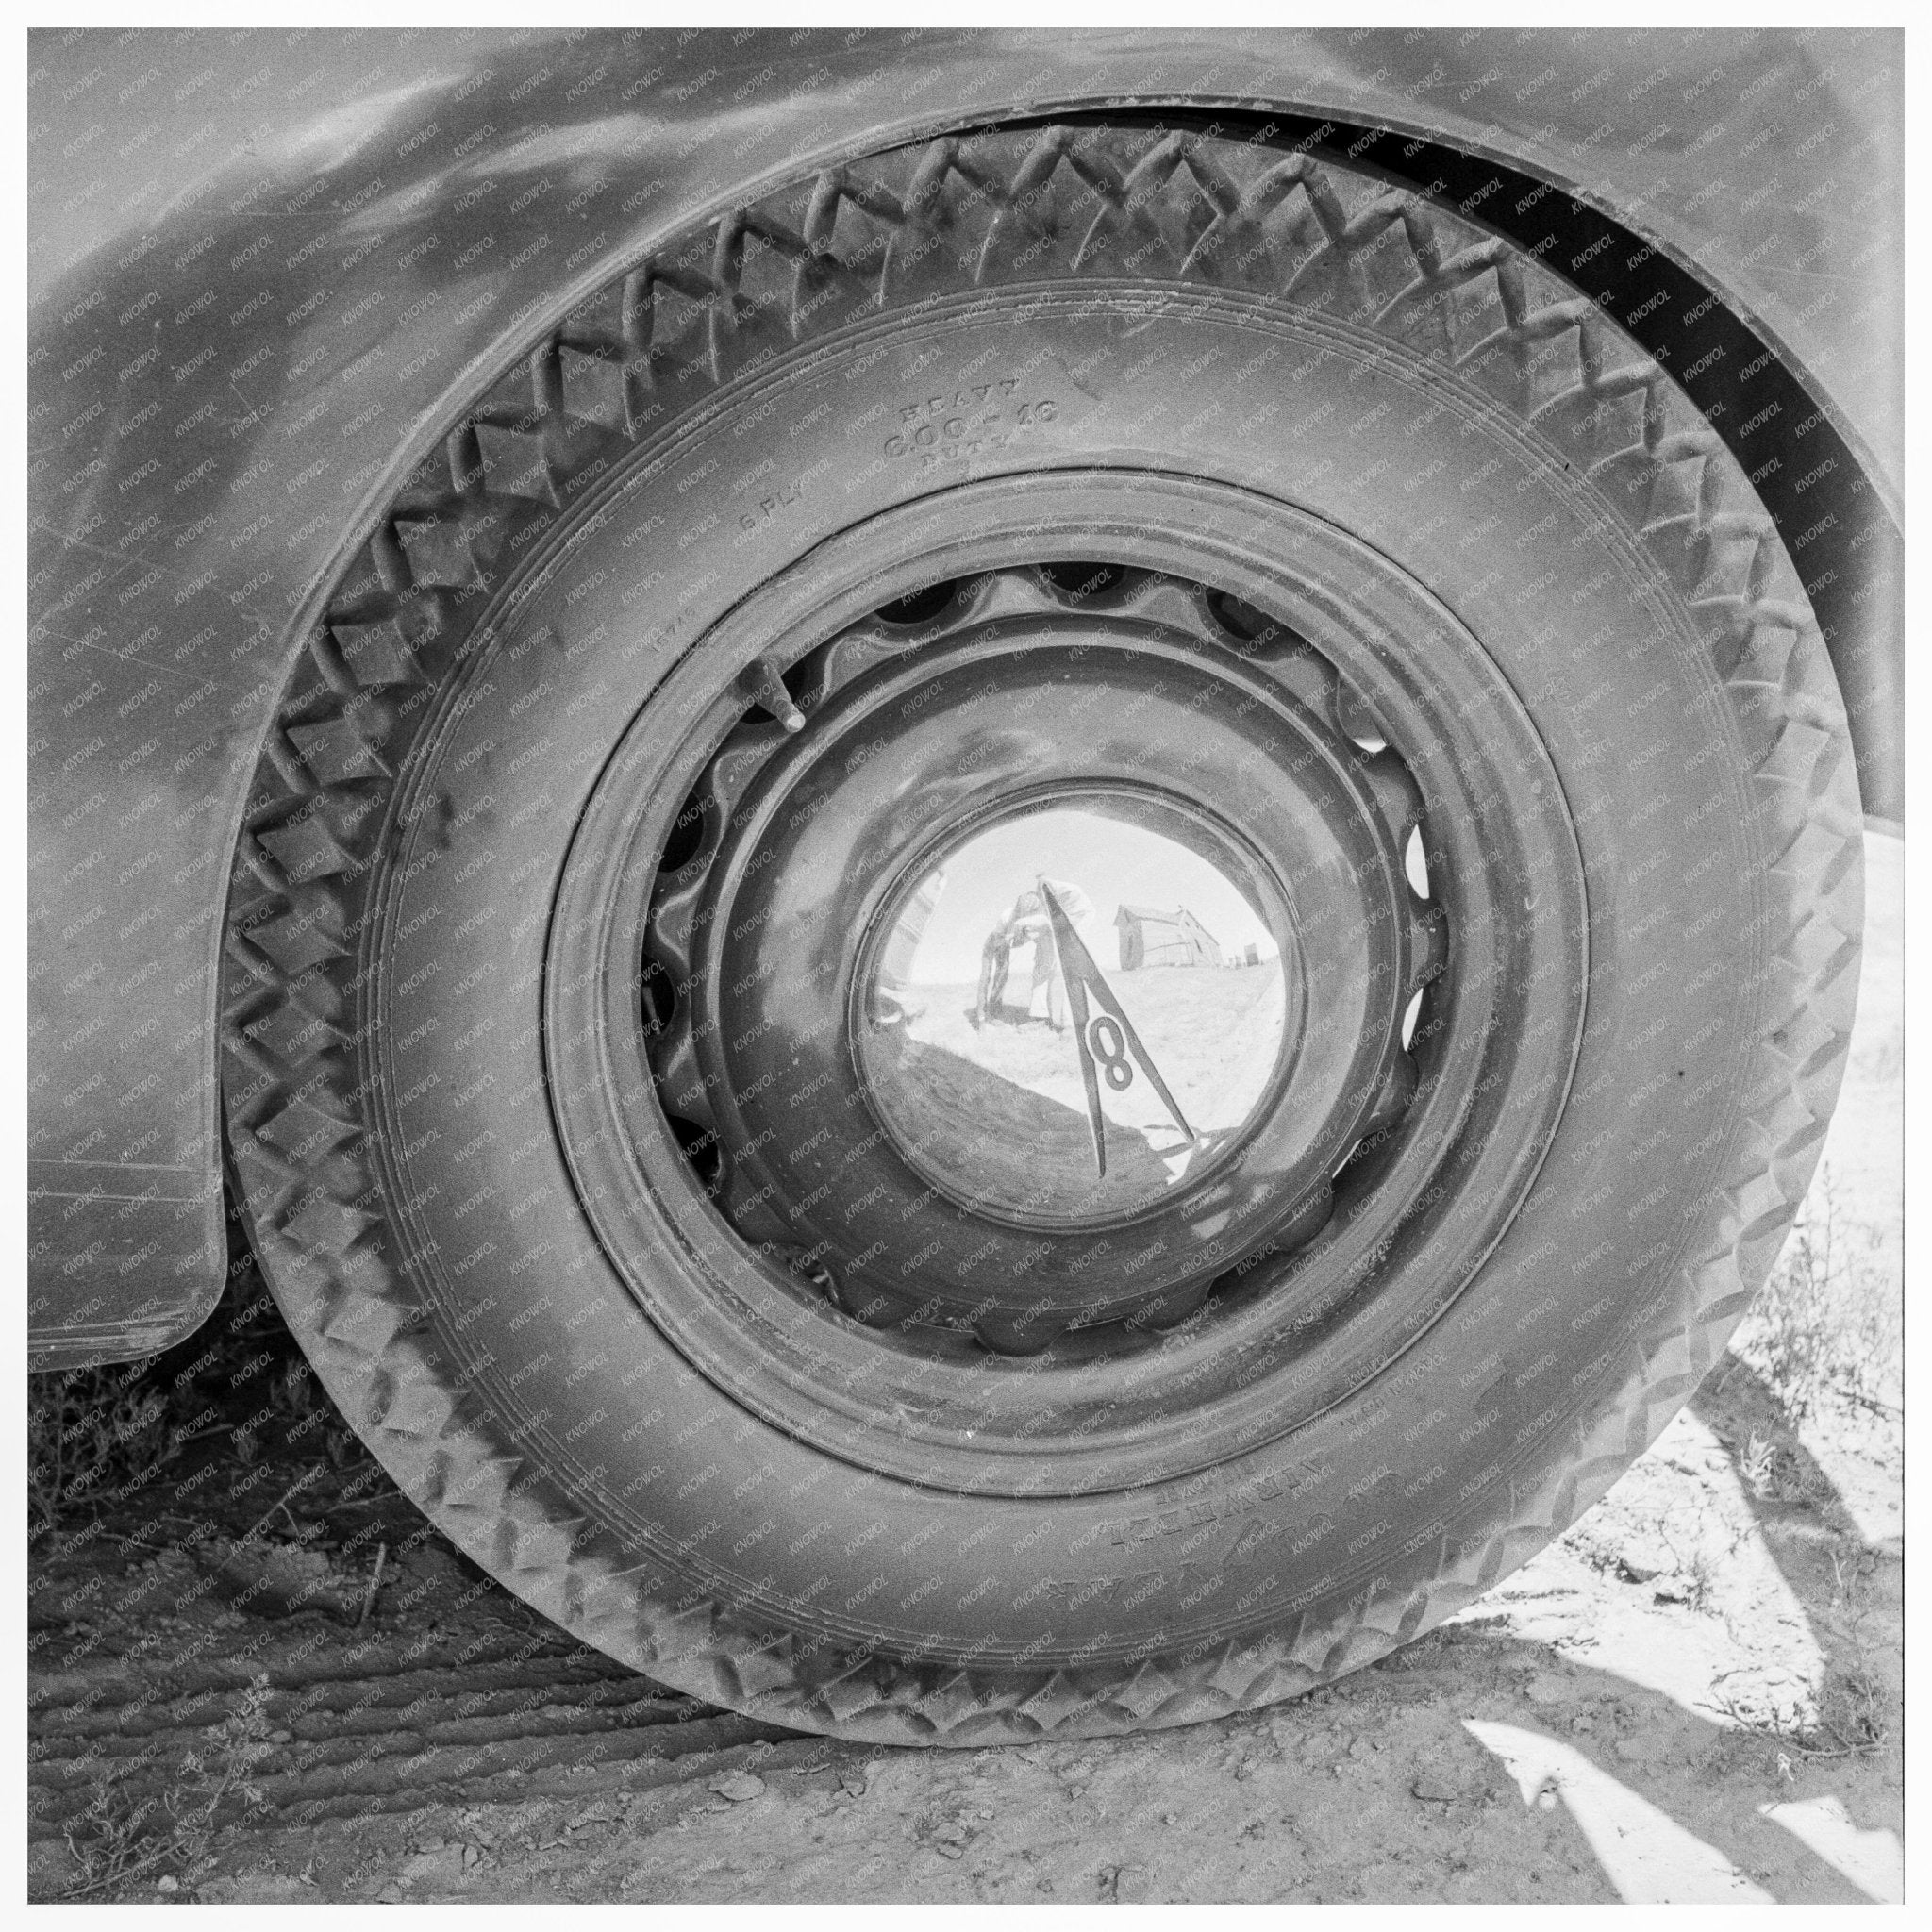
column 1756, row 1465
column 1693, row 1577
column 1699, row 1579
column 1849, row 1719
column 1855, row 1709
column 1850, row 1566
column 1850, row 1716
column 1856, row 1702
column 1828, row 1319
column 1771, row 1472
column 120, row 1839
column 1601, row 1552
column 88, row 1428
column 108, row 1841
column 293, row 1393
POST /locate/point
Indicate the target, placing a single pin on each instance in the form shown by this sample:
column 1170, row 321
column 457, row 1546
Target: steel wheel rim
column 1237, row 1373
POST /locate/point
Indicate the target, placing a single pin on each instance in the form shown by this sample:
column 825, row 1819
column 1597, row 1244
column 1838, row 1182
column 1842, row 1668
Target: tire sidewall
column 1497, row 524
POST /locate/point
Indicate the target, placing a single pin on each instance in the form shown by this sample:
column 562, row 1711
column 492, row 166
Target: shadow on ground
column 1693, row 1697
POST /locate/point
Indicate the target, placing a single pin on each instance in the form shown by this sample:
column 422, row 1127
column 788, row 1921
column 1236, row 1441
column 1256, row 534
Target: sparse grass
column 1693, row 1577
column 121, row 1839
column 1851, row 1718
column 1700, row 1579
column 1771, row 1472
column 1757, row 1465
column 1857, row 1705
column 1851, row 1714
column 1601, row 1551
column 1829, row 1322
column 87, row 1429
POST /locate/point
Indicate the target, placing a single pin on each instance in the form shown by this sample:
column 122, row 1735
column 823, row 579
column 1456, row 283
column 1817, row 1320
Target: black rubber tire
column 1199, row 305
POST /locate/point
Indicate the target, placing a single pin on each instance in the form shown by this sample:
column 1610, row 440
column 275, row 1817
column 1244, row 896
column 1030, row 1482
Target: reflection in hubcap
column 1072, row 1012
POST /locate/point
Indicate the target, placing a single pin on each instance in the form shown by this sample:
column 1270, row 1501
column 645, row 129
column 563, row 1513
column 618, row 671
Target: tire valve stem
column 764, row 682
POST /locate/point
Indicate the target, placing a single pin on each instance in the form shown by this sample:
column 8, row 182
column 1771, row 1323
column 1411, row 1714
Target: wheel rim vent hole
column 1423, row 1024
column 1410, row 1015
column 1415, row 862
column 1243, row 620
column 1090, row 585
column 917, row 606
column 700, row 1145
column 687, row 835
column 1358, row 723
column 801, row 684
column 1253, row 631
column 655, row 995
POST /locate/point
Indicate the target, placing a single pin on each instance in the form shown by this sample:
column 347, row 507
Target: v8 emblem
column 1107, row 1038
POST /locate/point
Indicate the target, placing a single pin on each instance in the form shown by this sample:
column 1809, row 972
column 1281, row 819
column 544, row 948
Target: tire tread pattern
column 1073, row 201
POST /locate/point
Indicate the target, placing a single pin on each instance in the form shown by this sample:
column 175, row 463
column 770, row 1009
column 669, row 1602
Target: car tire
column 1357, row 532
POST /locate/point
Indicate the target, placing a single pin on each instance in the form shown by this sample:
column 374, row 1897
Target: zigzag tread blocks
column 901, row 226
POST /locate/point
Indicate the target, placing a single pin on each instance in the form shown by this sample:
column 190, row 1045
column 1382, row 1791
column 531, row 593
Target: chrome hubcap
column 1047, row 1044
column 894, row 925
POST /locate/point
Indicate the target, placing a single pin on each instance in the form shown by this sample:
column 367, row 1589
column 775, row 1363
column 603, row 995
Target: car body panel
column 267, row 268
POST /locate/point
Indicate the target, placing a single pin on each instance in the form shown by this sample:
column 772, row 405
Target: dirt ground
column 256, row 1675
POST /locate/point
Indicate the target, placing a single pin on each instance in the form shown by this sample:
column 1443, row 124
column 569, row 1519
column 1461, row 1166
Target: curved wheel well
column 1825, row 494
